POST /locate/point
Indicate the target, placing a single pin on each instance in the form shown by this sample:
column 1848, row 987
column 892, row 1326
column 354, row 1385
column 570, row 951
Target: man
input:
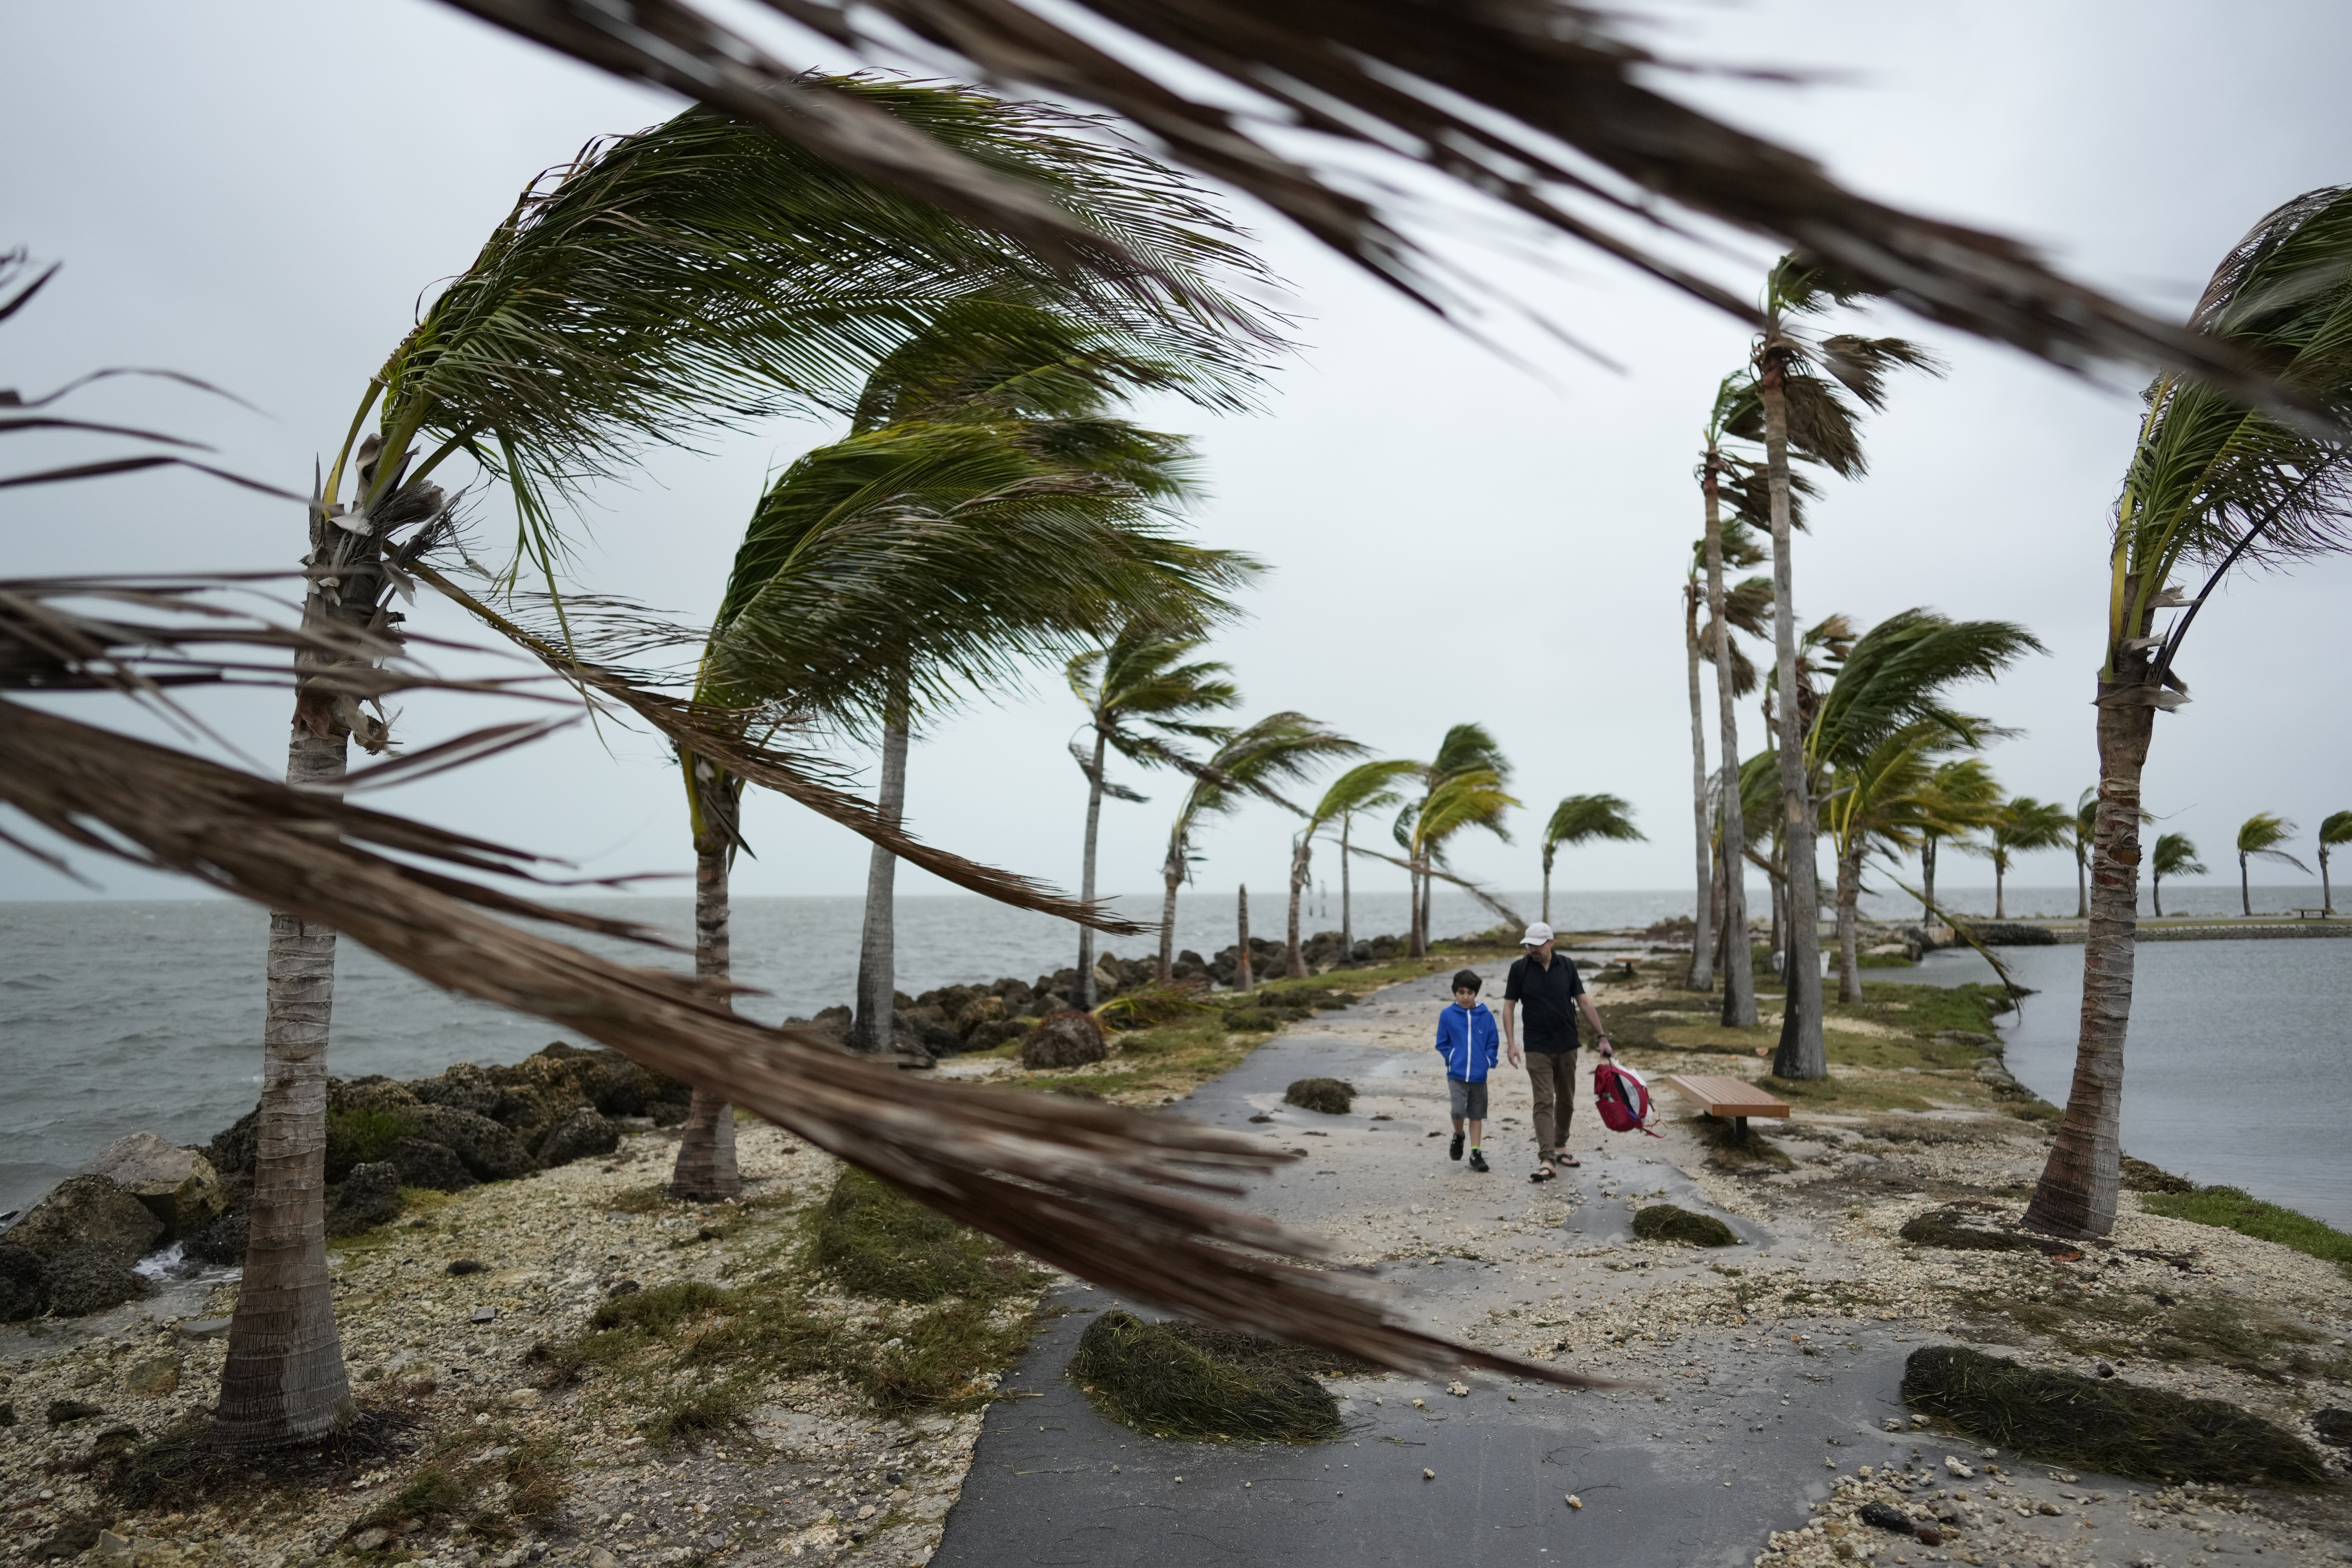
column 1546, row 984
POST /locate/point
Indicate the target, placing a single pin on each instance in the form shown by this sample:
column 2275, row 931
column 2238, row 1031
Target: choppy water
column 117, row 1016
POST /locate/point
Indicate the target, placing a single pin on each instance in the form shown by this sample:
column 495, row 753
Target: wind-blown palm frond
column 1102, row 1192
column 2263, row 833
column 1367, row 786
column 1472, row 799
column 1278, row 749
column 1584, row 819
column 1895, row 676
column 1489, row 97
column 703, row 273
column 2215, row 482
column 2175, row 855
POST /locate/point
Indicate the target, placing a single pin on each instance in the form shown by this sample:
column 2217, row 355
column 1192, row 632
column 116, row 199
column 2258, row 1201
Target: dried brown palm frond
column 1107, row 1193
column 719, row 735
column 1536, row 104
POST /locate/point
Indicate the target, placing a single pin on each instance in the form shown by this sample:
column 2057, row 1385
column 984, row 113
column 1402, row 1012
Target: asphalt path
column 1694, row 1467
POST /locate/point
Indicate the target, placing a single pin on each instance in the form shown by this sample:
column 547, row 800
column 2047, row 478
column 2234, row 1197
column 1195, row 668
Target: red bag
column 1623, row 1098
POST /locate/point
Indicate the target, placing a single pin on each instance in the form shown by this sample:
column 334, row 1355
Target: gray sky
column 259, row 193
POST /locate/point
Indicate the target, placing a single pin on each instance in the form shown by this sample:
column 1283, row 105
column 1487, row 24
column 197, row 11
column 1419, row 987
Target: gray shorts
column 1469, row 1099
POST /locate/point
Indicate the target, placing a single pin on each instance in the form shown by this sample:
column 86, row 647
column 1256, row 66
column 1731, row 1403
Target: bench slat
column 1727, row 1096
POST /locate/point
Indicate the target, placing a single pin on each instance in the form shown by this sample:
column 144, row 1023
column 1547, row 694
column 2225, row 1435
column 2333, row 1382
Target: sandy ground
column 1762, row 1378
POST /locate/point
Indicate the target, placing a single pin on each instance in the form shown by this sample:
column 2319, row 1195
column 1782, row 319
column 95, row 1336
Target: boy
column 1468, row 1039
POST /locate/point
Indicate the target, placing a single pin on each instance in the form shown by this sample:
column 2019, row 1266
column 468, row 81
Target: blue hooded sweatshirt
column 1469, row 1041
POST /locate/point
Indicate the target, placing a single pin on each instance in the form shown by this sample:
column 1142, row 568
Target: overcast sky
column 259, row 193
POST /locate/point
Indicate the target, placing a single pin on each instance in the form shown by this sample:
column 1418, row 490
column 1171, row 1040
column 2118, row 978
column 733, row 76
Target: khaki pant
column 1552, row 1076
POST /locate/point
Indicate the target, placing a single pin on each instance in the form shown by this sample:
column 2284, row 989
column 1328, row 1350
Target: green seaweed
column 1181, row 1380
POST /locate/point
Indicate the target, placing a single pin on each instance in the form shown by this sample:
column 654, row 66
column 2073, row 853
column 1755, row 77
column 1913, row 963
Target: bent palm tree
column 1466, row 749
column 1796, row 379
column 1278, row 749
column 2021, row 826
column 2175, row 855
column 1585, row 819
column 1367, row 786
column 2211, row 483
column 2334, row 830
column 1959, row 797
column 2258, row 837
column 1142, row 699
column 1882, row 718
column 690, row 277
column 1474, row 797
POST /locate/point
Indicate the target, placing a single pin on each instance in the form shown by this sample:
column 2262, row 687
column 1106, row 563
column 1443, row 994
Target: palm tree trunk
column 878, row 956
column 2245, row 889
column 2082, row 880
column 1738, row 967
column 1347, row 916
column 1428, row 897
column 2327, row 893
column 284, row 1380
column 2076, row 1194
column 1702, row 964
column 1172, row 874
column 1927, row 877
column 1087, row 879
column 1781, row 920
column 1849, row 922
column 1243, row 979
column 1802, row 1052
column 705, row 1170
column 2155, row 893
column 1546, row 893
column 2000, row 875
column 1294, row 957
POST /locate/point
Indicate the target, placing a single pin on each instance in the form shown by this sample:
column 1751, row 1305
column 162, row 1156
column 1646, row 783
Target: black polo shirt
column 1547, row 999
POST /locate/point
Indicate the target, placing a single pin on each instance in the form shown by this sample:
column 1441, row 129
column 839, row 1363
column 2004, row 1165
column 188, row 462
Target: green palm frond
column 1367, row 786
column 2213, row 481
column 1895, row 678
column 1474, row 798
column 1253, row 761
column 2026, row 823
column 1469, row 748
column 2263, row 833
column 1887, row 798
column 1143, row 690
column 2336, row 828
column 1584, row 819
column 702, row 274
column 1959, row 797
column 2175, row 855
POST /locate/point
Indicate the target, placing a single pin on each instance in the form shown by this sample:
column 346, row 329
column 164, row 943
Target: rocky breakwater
column 73, row 1252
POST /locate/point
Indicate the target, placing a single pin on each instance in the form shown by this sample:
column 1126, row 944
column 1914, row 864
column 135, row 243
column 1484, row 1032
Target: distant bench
column 1731, row 1098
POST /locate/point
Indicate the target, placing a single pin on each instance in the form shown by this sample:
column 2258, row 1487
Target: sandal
column 1543, row 1173
column 1567, row 1160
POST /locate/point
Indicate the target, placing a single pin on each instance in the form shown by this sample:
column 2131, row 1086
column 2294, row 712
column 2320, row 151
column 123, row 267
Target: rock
column 623, row 1288
column 521, row 1399
column 988, row 1036
column 87, row 1211
column 24, row 1283
column 70, row 1540
column 373, row 1536
column 62, row 1411
column 370, row 1198
column 205, row 1328
column 600, row 1558
column 1929, row 1535
column 2334, row 1426
column 112, row 1545
column 978, row 1013
column 579, row 1136
column 154, row 1377
column 1957, row 1469
column 86, row 1279
column 1064, row 1038
column 423, row 1162
column 485, row 1315
column 468, row 1266
column 1885, row 1517
column 490, row 1152
column 179, row 1186
column 114, row 1442
column 223, row 1241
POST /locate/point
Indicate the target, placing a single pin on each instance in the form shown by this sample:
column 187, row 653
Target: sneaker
column 1478, row 1160
column 1454, row 1150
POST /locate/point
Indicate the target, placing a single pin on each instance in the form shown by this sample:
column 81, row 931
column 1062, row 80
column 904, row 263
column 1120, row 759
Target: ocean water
column 118, row 1017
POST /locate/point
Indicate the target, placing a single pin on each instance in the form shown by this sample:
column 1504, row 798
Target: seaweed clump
column 1941, row 1227
column 1331, row 1096
column 876, row 1241
column 1669, row 1222
column 1181, row 1380
column 2118, row 1427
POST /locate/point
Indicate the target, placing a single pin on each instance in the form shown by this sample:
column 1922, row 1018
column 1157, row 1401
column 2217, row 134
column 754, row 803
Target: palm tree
column 2336, row 829
column 1466, row 749
column 1142, row 701
column 1745, row 609
column 1797, row 381
column 2079, row 833
column 1585, row 819
column 900, row 566
column 1474, row 797
column 2212, row 482
column 1958, row 798
column 690, row 277
column 1871, row 741
column 2021, row 826
column 2175, row 857
column 1367, row 786
column 1277, row 749
column 2260, row 836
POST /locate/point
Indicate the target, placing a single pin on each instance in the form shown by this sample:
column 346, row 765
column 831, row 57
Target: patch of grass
column 2103, row 1424
column 431, row 1491
column 876, row 1241
column 1330, row 1096
column 1172, row 1059
column 2232, row 1209
column 181, row 1469
column 1205, row 1385
column 1941, row 1227
column 1921, row 1130
column 651, row 1198
column 2244, row 1336
column 689, row 1415
column 1669, row 1222
column 2139, row 1177
column 938, row 1361
column 1150, row 1007
column 361, row 1135
column 1855, row 1092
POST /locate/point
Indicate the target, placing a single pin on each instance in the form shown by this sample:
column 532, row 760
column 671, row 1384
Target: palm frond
column 2336, row 828
column 1107, row 1193
column 2263, row 833
column 1542, row 108
column 1584, row 818
column 1895, row 676
column 2175, row 855
column 1367, row 786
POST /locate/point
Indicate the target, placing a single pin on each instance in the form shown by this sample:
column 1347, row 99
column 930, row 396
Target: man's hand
column 1516, row 1060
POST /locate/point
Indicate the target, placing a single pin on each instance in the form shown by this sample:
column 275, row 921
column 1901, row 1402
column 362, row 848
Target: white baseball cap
column 1538, row 934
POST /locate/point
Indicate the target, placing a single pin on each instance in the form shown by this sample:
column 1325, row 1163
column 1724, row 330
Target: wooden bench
column 1732, row 1099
